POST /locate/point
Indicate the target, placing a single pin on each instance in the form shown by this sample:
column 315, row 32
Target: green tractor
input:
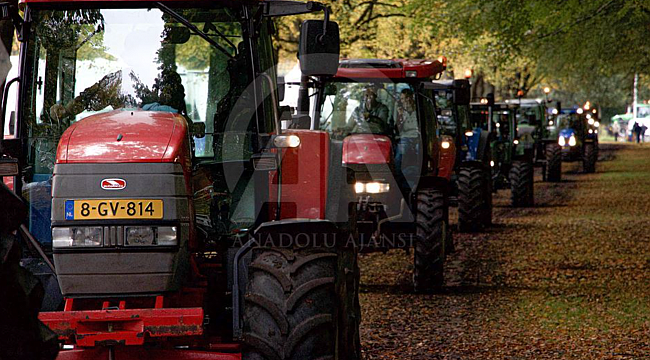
column 512, row 152
column 535, row 131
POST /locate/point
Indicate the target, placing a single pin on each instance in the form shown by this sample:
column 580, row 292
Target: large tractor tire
column 589, row 158
column 22, row 335
column 432, row 222
column 302, row 304
column 553, row 163
column 522, row 184
column 471, row 199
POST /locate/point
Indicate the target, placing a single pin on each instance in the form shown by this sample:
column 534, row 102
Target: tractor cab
column 499, row 119
column 537, row 136
column 578, row 135
column 147, row 142
column 384, row 114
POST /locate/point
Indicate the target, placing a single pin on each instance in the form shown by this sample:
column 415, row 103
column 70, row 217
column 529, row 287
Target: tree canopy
column 583, row 50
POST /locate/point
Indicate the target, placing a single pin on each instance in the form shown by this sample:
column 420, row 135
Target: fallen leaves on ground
column 566, row 279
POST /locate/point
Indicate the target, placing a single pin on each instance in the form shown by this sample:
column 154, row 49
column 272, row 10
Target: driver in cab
column 371, row 116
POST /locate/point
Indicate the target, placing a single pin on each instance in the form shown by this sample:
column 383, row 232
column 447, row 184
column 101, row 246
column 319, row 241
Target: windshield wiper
column 191, row 26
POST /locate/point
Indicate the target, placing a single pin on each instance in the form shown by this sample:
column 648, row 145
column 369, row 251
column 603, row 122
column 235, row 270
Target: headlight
column 597, row 124
column 591, row 131
column 445, row 144
column 590, row 121
column 550, row 123
column 371, row 187
column 469, row 133
column 572, row 141
column 167, row 235
column 76, row 237
column 498, row 125
column 516, row 142
column 151, row 235
column 561, row 141
column 492, row 163
column 286, row 141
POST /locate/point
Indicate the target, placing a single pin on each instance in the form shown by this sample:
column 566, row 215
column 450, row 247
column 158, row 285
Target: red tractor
column 183, row 222
column 383, row 113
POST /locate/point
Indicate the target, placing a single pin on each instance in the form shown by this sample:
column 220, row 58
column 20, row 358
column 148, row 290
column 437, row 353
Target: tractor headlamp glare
column 286, row 141
column 374, row 187
column 151, row 236
column 561, row 141
column 76, row 237
column 572, row 141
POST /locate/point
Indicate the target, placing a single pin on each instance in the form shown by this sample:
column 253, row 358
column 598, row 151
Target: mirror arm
column 274, row 100
column 325, row 21
column 5, row 95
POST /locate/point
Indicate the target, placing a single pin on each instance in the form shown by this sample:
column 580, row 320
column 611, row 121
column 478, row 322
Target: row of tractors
column 170, row 209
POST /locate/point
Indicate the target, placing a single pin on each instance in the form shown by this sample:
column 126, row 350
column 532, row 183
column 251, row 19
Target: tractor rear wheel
column 432, row 223
column 553, row 163
column 302, row 304
column 471, row 199
column 589, row 158
column 521, row 183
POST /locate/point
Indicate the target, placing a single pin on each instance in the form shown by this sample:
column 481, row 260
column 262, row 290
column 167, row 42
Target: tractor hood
column 567, row 133
column 123, row 136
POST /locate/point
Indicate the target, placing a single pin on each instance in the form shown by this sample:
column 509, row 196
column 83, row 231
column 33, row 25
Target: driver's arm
column 96, row 97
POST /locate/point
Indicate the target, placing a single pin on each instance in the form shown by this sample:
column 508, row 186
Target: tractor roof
column 394, row 69
column 496, row 106
column 525, row 102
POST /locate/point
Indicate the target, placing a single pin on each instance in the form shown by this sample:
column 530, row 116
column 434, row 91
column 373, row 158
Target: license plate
column 106, row 209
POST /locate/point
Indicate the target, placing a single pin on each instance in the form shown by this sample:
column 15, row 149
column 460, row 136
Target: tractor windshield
column 371, row 108
column 83, row 62
column 450, row 116
column 502, row 120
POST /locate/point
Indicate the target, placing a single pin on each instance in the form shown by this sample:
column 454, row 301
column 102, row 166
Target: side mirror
column 9, row 11
column 198, row 129
column 319, row 47
column 281, row 88
column 462, row 93
column 490, row 99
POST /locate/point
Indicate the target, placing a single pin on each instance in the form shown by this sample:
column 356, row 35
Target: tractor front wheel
column 589, row 158
column 553, row 163
column 471, row 199
column 521, row 183
column 432, row 222
column 302, row 304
